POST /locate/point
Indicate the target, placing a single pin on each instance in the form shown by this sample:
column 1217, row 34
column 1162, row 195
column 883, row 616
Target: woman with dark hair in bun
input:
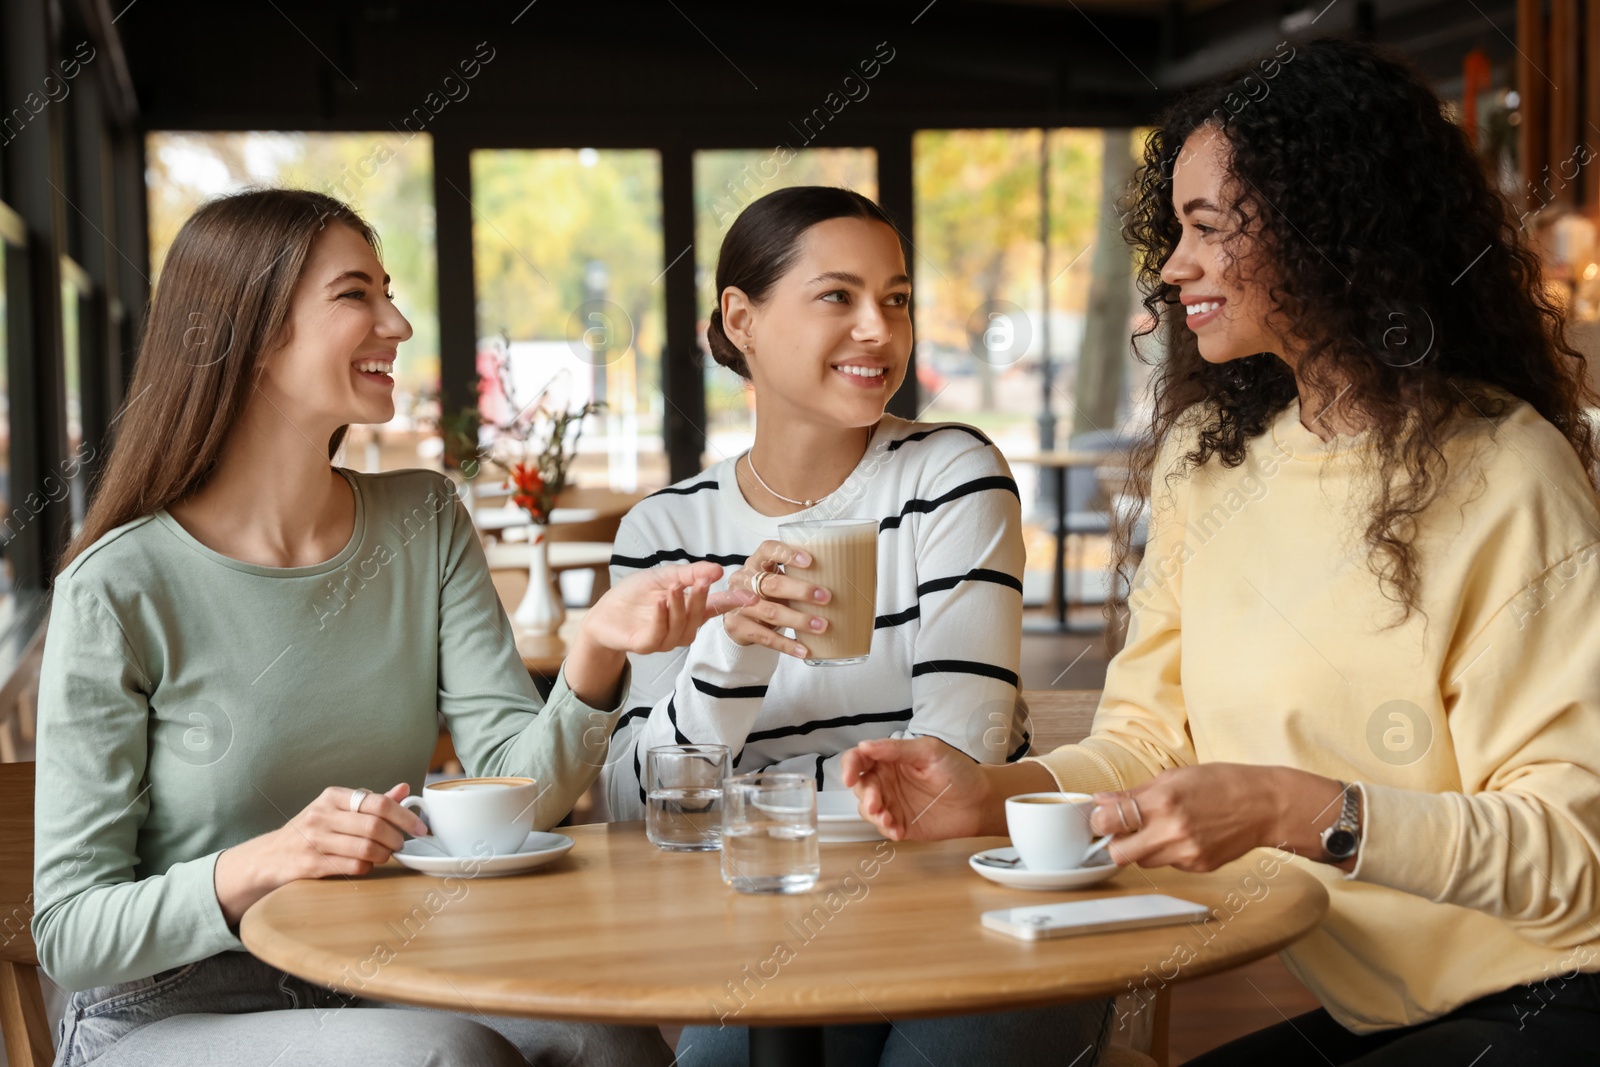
column 1364, row 631
column 813, row 310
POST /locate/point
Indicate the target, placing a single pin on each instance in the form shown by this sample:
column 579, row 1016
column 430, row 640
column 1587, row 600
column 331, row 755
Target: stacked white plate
column 839, row 820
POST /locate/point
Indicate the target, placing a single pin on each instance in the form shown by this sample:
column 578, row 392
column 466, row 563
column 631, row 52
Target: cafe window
column 9, row 262
column 1003, row 298
column 388, row 178
column 76, row 306
column 567, row 254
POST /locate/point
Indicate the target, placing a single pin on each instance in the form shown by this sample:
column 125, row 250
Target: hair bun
column 723, row 350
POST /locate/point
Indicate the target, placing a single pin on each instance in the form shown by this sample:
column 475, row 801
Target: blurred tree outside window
column 991, row 287
column 569, row 267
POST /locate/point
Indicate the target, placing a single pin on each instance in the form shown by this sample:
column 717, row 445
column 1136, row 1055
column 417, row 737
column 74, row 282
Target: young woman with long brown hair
column 248, row 650
column 1364, row 629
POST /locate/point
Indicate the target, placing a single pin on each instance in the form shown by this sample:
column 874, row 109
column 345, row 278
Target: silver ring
column 357, row 797
column 1125, row 827
column 1137, row 812
column 755, row 581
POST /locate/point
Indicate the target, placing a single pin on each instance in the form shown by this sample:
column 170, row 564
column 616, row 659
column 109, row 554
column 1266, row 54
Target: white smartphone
column 1042, row 921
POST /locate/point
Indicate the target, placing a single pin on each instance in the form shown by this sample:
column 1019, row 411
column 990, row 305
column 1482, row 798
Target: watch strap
column 1347, row 826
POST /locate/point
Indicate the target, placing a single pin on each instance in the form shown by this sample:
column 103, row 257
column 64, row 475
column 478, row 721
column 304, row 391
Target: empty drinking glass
column 683, row 786
column 769, row 833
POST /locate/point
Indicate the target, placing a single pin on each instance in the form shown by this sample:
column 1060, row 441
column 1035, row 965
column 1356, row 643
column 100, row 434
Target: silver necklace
column 750, row 461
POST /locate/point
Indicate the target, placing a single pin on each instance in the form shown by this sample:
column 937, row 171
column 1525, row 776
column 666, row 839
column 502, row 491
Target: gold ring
column 755, row 581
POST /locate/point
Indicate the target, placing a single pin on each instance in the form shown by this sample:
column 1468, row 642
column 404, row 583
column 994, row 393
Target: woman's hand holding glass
column 777, row 592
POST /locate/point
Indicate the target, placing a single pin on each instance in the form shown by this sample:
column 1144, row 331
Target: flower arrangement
column 539, row 481
column 541, row 437
column 530, row 491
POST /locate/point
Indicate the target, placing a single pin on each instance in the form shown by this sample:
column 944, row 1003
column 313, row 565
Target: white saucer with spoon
column 1004, row 866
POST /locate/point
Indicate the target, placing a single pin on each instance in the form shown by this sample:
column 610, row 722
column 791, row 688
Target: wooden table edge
column 636, row 1005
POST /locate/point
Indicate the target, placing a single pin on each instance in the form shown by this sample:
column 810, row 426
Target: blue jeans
column 231, row 1009
column 1038, row 1037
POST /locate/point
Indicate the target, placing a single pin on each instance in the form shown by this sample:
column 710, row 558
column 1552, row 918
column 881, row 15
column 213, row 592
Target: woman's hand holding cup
column 343, row 831
column 778, row 592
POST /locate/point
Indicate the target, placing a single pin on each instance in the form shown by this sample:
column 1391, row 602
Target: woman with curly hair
column 1364, row 631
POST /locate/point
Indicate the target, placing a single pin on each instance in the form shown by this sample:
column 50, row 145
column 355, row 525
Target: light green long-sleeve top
column 190, row 701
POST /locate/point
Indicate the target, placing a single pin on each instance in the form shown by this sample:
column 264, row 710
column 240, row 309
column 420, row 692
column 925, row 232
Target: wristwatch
column 1341, row 840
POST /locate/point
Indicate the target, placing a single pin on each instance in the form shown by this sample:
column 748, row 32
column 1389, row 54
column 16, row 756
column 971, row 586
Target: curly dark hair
column 1402, row 271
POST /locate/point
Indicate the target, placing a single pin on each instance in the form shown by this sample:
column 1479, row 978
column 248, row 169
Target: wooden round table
column 617, row 931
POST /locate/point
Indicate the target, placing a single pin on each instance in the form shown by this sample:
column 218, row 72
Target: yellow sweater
column 1258, row 636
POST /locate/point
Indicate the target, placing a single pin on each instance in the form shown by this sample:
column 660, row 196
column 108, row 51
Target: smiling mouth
column 376, row 368
column 1204, row 307
column 868, row 373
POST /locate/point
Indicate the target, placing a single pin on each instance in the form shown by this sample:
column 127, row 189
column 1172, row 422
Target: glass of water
column 769, row 833
column 683, row 787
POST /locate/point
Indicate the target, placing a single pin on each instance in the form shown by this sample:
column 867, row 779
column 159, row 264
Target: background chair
column 1062, row 717
column 19, row 699
column 23, row 1022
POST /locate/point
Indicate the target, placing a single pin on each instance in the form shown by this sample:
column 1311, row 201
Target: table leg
column 786, row 1046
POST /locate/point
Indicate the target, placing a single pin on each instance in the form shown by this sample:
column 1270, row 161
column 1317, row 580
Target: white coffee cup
column 480, row 817
column 1050, row 831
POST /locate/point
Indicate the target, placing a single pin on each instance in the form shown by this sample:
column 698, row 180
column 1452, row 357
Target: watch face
column 1341, row 844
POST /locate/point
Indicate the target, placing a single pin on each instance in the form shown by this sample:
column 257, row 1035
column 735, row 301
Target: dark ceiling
column 611, row 71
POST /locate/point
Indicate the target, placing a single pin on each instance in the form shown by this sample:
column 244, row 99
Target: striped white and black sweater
column 947, row 645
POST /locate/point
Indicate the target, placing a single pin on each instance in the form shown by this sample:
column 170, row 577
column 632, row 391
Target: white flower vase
column 541, row 610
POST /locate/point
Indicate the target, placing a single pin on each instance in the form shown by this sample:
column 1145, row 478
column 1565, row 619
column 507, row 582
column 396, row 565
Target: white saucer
column 840, row 821
column 1019, row 877
column 423, row 855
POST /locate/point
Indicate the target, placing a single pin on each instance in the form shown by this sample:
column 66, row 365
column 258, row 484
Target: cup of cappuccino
column 1050, row 831
column 844, row 561
column 481, row 817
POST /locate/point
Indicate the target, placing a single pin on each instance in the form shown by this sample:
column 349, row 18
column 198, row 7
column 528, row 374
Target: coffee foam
column 466, row 784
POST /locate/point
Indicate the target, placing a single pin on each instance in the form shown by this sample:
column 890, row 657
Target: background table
column 543, row 654
column 618, row 931
column 1068, row 521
